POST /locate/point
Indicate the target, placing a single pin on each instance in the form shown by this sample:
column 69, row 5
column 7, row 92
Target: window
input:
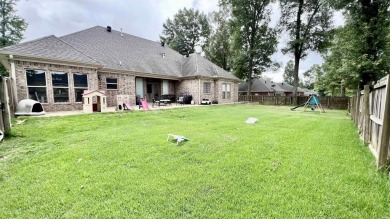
column 60, row 87
column 226, row 91
column 165, row 87
column 206, row 87
column 112, row 83
column 80, row 82
column 36, row 85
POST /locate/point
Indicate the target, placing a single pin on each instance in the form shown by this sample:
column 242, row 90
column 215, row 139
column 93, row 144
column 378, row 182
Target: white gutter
column 199, row 91
column 13, row 80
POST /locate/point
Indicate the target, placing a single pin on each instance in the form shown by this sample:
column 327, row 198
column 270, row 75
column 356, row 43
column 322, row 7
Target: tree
column 312, row 76
column 253, row 41
column 368, row 23
column 308, row 24
column 11, row 27
column 288, row 75
column 341, row 62
column 189, row 28
column 217, row 50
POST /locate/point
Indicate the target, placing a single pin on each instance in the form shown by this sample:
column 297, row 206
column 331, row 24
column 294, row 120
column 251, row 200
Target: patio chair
column 156, row 102
column 180, row 100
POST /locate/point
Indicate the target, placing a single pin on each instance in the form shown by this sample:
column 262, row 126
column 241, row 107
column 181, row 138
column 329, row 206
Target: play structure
column 143, row 104
column 123, row 102
column 314, row 101
column 29, row 107
column 94, row 101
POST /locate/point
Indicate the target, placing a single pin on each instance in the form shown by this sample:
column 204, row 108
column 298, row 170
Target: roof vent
column 282, row 83
column 108, row 29
column 162, row 44
column 120, row 63
column 163, row 55
column 121, row 32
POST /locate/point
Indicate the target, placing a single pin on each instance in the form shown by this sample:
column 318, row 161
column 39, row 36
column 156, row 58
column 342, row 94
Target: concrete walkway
column 113, row 109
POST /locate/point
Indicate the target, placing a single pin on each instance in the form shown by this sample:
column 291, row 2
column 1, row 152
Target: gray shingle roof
column 197, row 65
column 261, row 85
column 118, row 51
column 126, row 52
column 49, row 47
column 258, row 85
column 288, row 87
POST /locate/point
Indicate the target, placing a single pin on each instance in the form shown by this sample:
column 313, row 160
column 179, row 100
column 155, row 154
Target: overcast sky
column 143, row 18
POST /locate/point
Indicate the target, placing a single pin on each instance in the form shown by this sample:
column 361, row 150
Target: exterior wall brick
column 189, row 86
column 22, row 89
column 126, row 86
column 233, row 91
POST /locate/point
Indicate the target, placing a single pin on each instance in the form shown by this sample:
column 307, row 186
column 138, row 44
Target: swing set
column 314, row 101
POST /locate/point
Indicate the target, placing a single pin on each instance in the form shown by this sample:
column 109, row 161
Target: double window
column 206, row 87
column 80, row 82
column 112, row 83
column 60, row 87
column 226, row 91
column 36, row 85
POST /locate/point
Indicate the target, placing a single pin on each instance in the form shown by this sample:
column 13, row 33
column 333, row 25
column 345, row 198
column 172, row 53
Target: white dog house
column 29, row 107
column 94, row 101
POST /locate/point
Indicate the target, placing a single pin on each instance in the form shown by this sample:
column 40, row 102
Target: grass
column 289, row 165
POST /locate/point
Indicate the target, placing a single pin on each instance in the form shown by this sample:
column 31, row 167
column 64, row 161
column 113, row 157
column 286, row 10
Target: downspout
column 199, row 90
column 197, row 71
column 13, row 80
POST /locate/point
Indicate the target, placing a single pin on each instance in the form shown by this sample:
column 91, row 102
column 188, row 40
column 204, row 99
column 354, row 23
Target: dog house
column 94, row 101
column 29, row 107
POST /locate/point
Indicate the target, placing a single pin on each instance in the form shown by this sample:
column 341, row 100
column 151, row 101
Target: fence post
column 384, row 141
column 366, row 114
column 357, row 107
column 2, row 104
column 5, row 110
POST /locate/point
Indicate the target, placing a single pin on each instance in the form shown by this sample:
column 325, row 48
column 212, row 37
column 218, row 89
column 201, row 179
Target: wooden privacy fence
column 328, row 102
column 370, row 111
column 6, row 105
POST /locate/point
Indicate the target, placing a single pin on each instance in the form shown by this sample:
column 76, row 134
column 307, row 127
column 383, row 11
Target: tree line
column 239, row 38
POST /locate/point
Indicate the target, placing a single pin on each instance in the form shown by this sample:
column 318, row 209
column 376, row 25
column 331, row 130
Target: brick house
column 56, row 70
column 263, row 87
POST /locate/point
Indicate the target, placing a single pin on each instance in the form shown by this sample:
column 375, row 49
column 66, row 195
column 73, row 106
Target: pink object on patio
column 126, row 106
column 145, row 105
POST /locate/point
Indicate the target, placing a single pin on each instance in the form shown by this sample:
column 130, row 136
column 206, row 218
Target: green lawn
column 291, row 164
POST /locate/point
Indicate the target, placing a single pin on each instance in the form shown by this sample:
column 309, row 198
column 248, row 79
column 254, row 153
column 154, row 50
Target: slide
column 144, row 105
column 126, row 106
column 303, row 104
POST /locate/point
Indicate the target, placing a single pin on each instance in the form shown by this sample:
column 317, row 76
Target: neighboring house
column 56, row 70
column 308, row 92
column 263, row 87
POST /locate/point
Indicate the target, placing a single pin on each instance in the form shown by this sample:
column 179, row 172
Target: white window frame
column 206, row 87
column 112, row 83
column 226, row 91
column 75, row 87
column 60, row 87
column 28, row 86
